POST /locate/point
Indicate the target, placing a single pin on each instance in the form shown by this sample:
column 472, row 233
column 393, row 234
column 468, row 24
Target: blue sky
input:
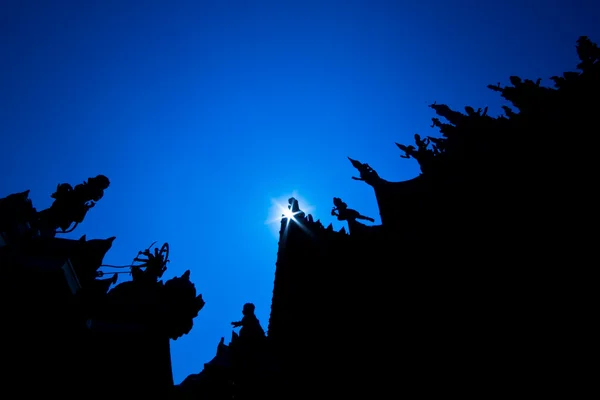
column 202, row 113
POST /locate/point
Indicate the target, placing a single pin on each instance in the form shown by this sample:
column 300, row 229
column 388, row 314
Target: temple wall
column 348, row 302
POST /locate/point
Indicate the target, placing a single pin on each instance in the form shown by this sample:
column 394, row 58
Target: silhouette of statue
column 72, row 204
column 438, row 146
column 248, row 355
column 155, row 264
column 251, row 329
column 421, row 153
column 343, row 213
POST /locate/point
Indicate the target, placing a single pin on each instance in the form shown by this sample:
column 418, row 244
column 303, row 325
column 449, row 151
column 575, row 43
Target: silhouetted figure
column 421, row 144
column 248, row 353
column 343, row 213
column 251, row 329
column 408, row 150
column 71, row 204
column 155, row 264
column 438, row 145
column 421, row 153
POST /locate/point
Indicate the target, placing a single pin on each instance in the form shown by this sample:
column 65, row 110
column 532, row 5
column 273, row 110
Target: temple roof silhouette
column 447, row 295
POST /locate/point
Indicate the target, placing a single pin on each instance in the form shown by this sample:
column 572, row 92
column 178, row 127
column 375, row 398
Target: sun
column 279, row 210
column 287, row 213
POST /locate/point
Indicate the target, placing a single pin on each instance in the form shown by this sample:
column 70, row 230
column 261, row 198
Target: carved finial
column 367, row 174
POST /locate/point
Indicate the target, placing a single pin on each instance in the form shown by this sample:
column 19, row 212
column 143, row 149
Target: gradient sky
column 202, row 113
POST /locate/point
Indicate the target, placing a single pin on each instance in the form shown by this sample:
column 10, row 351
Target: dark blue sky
column 203, row 113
